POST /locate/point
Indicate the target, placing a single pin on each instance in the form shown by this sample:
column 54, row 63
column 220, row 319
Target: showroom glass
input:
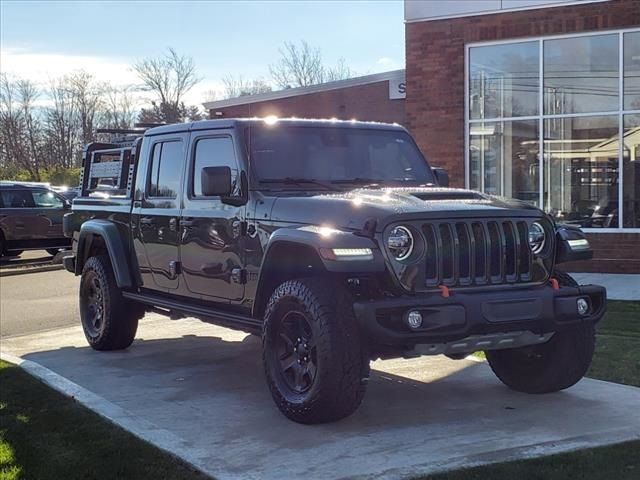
column 337, row 155
column 497, row 148
column 581, row 74
column 631, row 171
column 214, row 152
column 587, row 95
column 504, row 80
column 581, row 170
column 632, row 71
column 166, row 165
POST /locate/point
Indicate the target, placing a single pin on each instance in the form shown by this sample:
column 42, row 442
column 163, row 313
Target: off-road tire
column 119, row 317
column 342, row 363
column 549, row 367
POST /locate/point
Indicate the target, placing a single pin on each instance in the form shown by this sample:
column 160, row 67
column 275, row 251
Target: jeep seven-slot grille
column 477, row 252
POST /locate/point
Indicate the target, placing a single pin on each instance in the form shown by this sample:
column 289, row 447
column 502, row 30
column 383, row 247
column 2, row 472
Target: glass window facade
column 544, row 123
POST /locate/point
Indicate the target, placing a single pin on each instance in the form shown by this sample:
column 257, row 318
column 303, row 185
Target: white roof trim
column 294, row 92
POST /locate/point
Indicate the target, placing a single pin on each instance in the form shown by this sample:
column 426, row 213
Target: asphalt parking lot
column 33, row 302
column 198, row 390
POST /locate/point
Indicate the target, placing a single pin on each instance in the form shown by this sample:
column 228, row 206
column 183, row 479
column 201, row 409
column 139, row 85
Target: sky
column 44, row 40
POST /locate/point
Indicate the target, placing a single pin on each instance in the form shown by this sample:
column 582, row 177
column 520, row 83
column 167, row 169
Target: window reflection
column 504, row 80
column 507, row 153
column 581, row 74
column 631, row 171
column 632, row 71
column 581, row 170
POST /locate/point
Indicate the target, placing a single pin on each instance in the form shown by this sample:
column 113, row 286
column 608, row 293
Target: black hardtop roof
column 298, row 122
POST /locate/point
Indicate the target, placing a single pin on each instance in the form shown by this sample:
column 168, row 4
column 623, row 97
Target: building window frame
column 541, row 116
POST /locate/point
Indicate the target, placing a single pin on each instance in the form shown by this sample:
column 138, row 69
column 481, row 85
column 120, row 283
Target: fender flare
column 111, row 237
column 313, row 239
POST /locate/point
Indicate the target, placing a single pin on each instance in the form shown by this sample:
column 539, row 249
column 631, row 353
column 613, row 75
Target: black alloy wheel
column 296, row 351
column 92, row 303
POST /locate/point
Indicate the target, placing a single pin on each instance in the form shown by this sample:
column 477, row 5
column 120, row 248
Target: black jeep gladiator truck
column 338, row 244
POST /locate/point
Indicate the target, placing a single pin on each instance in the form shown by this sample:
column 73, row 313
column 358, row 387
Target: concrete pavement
column 199, row 391
column 620, row 286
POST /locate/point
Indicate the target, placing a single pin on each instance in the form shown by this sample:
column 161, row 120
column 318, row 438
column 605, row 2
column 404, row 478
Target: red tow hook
column 554, row 284
column 444, row 290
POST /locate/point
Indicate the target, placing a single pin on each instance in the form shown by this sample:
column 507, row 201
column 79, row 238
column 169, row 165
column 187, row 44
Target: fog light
column 583, row 306
column 414, row 319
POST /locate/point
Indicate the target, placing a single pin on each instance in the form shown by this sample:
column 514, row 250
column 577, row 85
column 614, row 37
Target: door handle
column 147, row 221
column 187, row 223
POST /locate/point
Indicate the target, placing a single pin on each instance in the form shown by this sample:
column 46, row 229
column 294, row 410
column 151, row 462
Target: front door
column 211, row 242
column 157, row 212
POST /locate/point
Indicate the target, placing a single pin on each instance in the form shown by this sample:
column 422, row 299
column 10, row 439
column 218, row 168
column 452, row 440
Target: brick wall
column 435, row 91
column 363, row 102
column 613, row 252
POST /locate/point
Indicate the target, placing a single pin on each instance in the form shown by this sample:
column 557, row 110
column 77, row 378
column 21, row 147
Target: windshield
column 312, row 156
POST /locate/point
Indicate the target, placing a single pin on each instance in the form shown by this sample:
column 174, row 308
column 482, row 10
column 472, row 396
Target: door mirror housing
column 442, row 177
column 216, row 181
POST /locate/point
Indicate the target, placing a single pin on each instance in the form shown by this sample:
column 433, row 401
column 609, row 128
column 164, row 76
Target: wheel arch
column 103, row 236
column 285, row 260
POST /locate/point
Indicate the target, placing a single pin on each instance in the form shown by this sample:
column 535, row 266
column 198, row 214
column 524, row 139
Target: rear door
column 50, row 208
column 211, row 250
column 19, row 216
column 156, row 211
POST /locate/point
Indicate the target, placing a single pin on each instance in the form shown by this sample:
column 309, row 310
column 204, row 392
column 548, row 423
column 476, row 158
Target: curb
column 149, row 432
column 23, row 271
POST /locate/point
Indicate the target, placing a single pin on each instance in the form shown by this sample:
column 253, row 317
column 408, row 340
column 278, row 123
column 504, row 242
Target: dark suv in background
column 31, row 219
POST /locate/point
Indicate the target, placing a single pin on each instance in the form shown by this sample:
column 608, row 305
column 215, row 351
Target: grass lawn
column 45, row 435
column 617, row 359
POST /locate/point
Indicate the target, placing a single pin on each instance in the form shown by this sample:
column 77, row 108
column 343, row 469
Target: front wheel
column 109, row 321
column 314, row 360
column 549, row 367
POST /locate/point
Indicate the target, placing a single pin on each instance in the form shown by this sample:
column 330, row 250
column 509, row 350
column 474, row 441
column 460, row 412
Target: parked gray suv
column 31, row 219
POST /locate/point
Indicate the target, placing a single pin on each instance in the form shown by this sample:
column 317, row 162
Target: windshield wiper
column 298, row 181
column 365, row 182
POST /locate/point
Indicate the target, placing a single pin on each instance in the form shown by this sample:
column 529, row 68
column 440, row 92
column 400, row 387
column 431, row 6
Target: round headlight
column 400, row 243
column 537, row 237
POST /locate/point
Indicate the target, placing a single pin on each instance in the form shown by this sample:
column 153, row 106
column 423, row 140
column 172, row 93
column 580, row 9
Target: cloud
column 42, row 68
column 385, row 61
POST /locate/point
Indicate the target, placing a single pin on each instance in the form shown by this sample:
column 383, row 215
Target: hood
column 351, row 209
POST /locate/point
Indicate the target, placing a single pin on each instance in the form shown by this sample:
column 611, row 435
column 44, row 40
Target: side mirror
column 67, row 204
column 216, row 181
column 442, row 177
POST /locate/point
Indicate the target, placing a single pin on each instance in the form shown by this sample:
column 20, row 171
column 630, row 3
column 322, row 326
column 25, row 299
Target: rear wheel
column 109, row 321
column 549, row 367
column 314, row 360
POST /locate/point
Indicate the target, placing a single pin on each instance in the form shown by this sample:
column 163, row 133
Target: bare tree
column 169, row 77
column 119, row 110
column 239, row 87
column 62, row 124
column 340, row 72
column 27, row 96
column 301, row 65
column 88, row 98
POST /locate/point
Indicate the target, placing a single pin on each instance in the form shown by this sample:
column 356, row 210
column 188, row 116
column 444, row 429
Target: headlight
column 400, row 243
column 537, row 237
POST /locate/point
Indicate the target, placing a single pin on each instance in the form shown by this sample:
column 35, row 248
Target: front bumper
column 540, row 309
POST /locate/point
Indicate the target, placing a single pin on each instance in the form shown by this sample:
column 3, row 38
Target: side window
column 166, row 165
column 45, row 199
column 214, row 152
column 17, row 199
